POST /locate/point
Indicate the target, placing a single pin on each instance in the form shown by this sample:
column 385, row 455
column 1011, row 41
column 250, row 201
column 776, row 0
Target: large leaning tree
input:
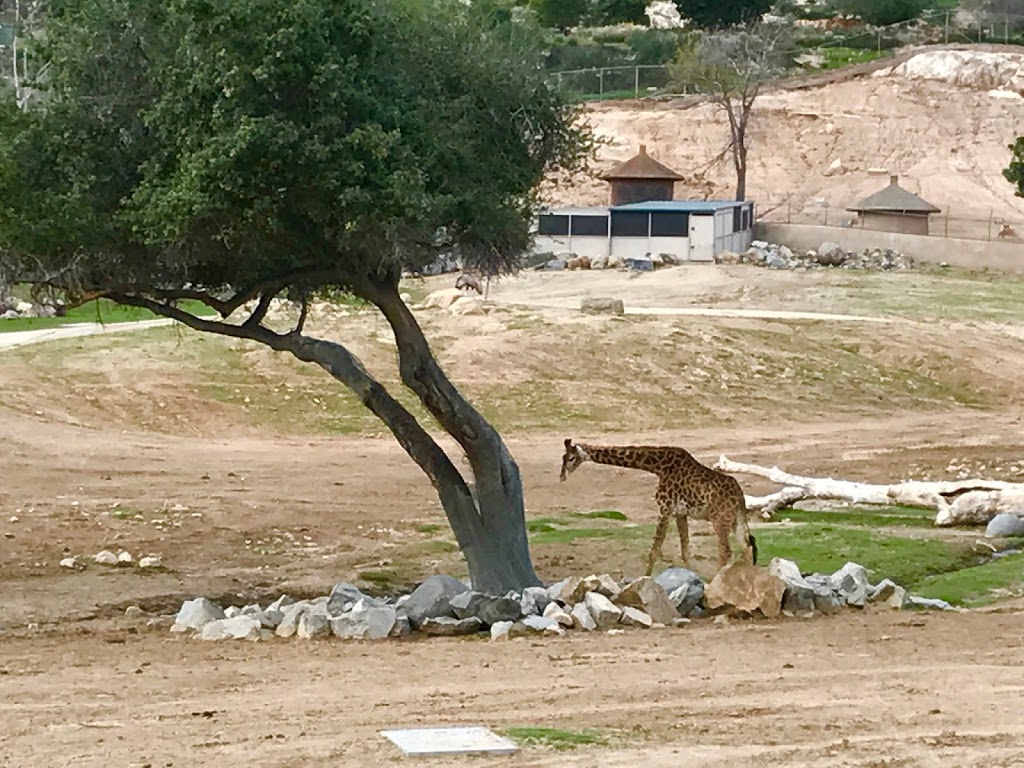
column 234, row 151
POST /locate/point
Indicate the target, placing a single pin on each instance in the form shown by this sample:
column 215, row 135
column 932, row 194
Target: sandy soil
column 241, row 514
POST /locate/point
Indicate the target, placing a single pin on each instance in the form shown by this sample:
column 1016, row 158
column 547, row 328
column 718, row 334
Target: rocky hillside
column 941, row 120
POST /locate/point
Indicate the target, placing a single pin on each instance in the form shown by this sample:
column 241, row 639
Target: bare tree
column 731, row 67
column 25, row 18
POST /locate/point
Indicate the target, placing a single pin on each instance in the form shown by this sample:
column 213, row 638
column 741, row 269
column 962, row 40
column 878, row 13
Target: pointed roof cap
column 894, row 199
column 641, row 166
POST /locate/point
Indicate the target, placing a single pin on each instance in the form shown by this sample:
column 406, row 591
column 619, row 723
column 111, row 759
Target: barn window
column 674, row 224
column 737, row 219
column 746, row 217
column 590, row 226
column 629, row 224
column 551, row 224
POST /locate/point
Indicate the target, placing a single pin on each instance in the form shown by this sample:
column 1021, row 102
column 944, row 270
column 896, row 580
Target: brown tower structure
column 641, row 179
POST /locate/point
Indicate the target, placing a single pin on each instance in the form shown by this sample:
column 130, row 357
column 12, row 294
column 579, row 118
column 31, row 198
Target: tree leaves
column 226, row 143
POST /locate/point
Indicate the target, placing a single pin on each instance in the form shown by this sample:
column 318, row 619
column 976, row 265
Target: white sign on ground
column 473, row 740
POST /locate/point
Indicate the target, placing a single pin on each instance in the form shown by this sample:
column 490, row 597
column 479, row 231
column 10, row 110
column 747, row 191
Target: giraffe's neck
column 631, row 457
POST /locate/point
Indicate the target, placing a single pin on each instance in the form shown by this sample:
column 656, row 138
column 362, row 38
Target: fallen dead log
column 959, row 502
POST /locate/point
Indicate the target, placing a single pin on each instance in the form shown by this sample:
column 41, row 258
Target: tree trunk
column 962, row 502
column 490, row 525
column 494, row 523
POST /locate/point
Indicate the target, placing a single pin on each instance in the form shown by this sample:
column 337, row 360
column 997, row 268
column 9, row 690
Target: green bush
column 881, row 13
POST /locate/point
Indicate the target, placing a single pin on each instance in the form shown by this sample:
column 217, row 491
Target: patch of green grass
column 567, row 535
column 604, row 514
column 556, row 738
column 978, row 585
column 429, row 528
column 825, row 548
column 873, row 517
column 99, row 311
column 834, row 58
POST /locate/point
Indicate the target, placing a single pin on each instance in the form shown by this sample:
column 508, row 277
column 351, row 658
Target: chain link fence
column 963, row 223
column 829, row 45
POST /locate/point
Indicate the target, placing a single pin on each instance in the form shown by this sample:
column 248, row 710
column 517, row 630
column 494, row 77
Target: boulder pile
column 773, row 256
column 556, row 262
column 444, row 606
column 13, row 309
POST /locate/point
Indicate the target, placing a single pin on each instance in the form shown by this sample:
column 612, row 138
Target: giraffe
column 686, row 488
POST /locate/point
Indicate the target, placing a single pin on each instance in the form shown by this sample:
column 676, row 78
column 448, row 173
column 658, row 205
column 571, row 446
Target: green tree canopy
column 714, row 14
column 1014, row 173
column 881, row 13
column 559, row 13
column 238, row 150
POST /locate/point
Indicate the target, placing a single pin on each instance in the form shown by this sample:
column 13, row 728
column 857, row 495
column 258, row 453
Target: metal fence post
column 600, row 84
column 636, row 82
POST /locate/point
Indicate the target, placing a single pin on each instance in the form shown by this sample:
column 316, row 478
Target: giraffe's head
column 574, row 456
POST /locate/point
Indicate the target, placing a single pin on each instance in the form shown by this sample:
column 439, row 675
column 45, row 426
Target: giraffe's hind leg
column 664, row 518
column 682, row 523
column 722, row 530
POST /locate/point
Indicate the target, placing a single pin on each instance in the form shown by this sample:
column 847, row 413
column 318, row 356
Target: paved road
column 16, row 339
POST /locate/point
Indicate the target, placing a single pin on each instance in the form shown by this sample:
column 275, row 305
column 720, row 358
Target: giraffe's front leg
column 683, row 524
column 664, row 518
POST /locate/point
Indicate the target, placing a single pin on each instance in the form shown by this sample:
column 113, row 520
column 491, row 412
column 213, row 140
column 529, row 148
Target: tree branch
column 420, row 372
column 346, row 368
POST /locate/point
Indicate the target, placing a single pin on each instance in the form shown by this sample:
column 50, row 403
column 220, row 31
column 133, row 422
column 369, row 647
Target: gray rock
column 831, row 255
column 563, row 590
column 599, row 262
column 447, row 626
column 500, row 630
column 133, row 612
column 540, row 623
column 581, row 618
column 632, row 617
column 291, row 614
column 554, row 611
column 898, row 598
column 432, row 599
column 776, row 261
column 799, row 595
column 639, row 264
column 489, row 610
column 105, row 557
column 555, row 265
column 645, row 594
column 605, row 612
column 402, row 627
column 602, row 306
column 685, row 589
column 534, row 601
column 313, row 623
column 851, row 583
column 886, row 588
column 500, row 609
column 237, row 628
column 195, row 614
column 602, row 585
column 468, row 603
column 344, row 596
column 913, row 601
column 1005, row 524
column 367, row 622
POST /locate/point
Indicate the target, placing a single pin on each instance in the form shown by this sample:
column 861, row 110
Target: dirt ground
column 241, row 513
